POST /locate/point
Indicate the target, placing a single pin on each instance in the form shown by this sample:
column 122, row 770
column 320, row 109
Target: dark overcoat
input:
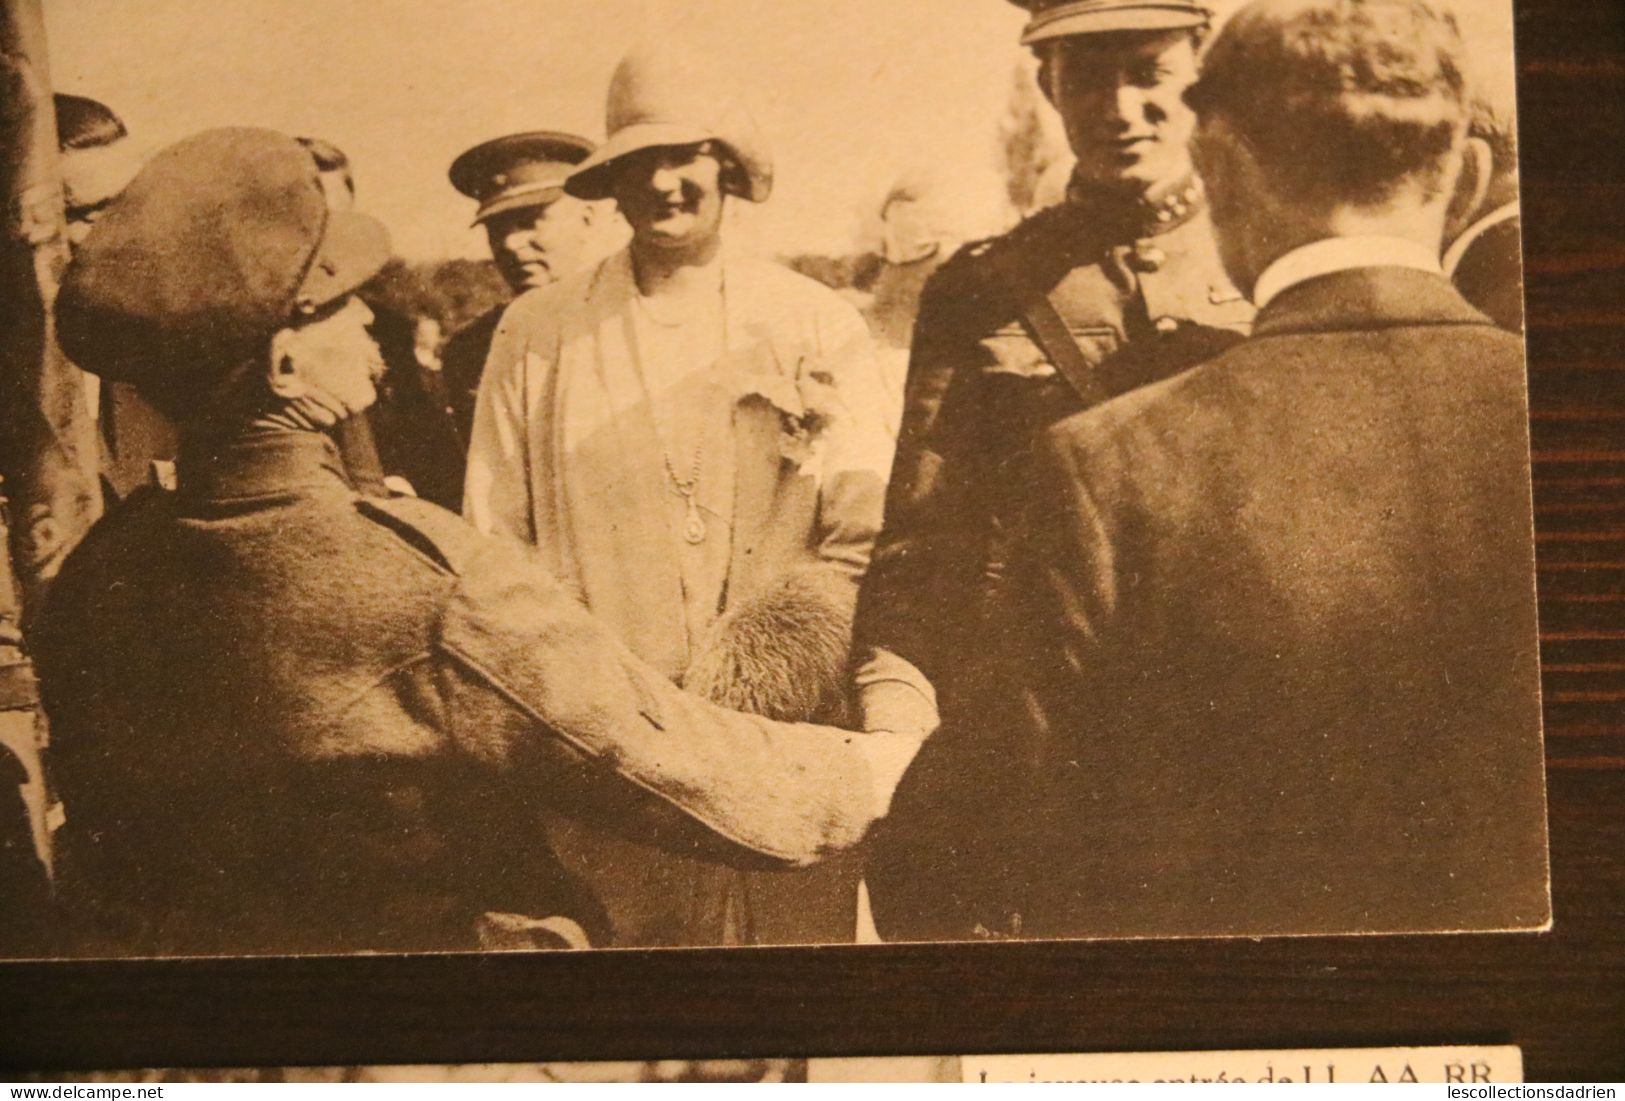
column 1270, row 665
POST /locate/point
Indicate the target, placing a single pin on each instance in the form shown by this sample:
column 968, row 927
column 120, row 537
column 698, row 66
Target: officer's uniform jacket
column 1276, row 669
column 1141, row 291
column 290, row 719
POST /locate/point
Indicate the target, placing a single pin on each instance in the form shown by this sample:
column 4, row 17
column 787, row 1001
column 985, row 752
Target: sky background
column 852, row 94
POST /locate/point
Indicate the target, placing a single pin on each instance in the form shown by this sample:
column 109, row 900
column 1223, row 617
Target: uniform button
column 1167, row 324
column 1165, row 215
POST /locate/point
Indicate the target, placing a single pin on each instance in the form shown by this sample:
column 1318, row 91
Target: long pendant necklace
column 694, row 529
column 688, row 489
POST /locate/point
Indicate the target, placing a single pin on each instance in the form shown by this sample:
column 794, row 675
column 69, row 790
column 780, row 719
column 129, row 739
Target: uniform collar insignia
column 1175, row 207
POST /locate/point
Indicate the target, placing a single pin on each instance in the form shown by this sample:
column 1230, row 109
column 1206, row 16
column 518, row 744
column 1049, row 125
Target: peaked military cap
column 1063, row 18
column 518, row 170
column 221, row 239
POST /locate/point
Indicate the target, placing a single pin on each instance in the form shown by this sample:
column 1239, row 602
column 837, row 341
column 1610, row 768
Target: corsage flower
column 806, row 403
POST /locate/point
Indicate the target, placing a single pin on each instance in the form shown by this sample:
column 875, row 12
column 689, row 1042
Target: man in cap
column 538, row 234
column 695, row 440
column 1276, row 667
column 289, row 718
column 1115, row 287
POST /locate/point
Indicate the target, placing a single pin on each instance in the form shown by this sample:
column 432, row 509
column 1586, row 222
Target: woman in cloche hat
column 696, row 441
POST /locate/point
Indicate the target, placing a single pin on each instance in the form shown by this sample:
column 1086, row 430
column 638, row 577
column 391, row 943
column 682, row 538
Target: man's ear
column 283, row 376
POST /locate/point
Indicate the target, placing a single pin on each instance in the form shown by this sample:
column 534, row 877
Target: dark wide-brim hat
column 518, row 170
column 1064, row 18
column 219, row 241
column 671, row 96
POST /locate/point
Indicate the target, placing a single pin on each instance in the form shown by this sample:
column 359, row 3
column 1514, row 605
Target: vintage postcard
column 631, row 474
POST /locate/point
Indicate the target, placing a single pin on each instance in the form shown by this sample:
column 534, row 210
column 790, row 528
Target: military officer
column 537, row 235
column 290, row 718
column 1115, row 287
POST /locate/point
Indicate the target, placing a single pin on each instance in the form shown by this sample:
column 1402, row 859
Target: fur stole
column 784, row 653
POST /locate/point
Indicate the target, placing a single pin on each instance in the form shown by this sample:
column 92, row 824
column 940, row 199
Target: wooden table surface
column 1561, row 996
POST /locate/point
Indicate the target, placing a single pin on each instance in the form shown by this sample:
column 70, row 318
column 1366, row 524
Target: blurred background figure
column 417, row 452
column 98, row 161
column 923, row 219
column 537, row 233
column 427, row 339
column 333, row 172
column 1050, row 189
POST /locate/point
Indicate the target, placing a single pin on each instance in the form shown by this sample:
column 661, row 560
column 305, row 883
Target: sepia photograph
column 629, row 474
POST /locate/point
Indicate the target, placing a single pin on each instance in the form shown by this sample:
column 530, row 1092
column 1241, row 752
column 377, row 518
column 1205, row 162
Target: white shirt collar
column 1335, row 254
